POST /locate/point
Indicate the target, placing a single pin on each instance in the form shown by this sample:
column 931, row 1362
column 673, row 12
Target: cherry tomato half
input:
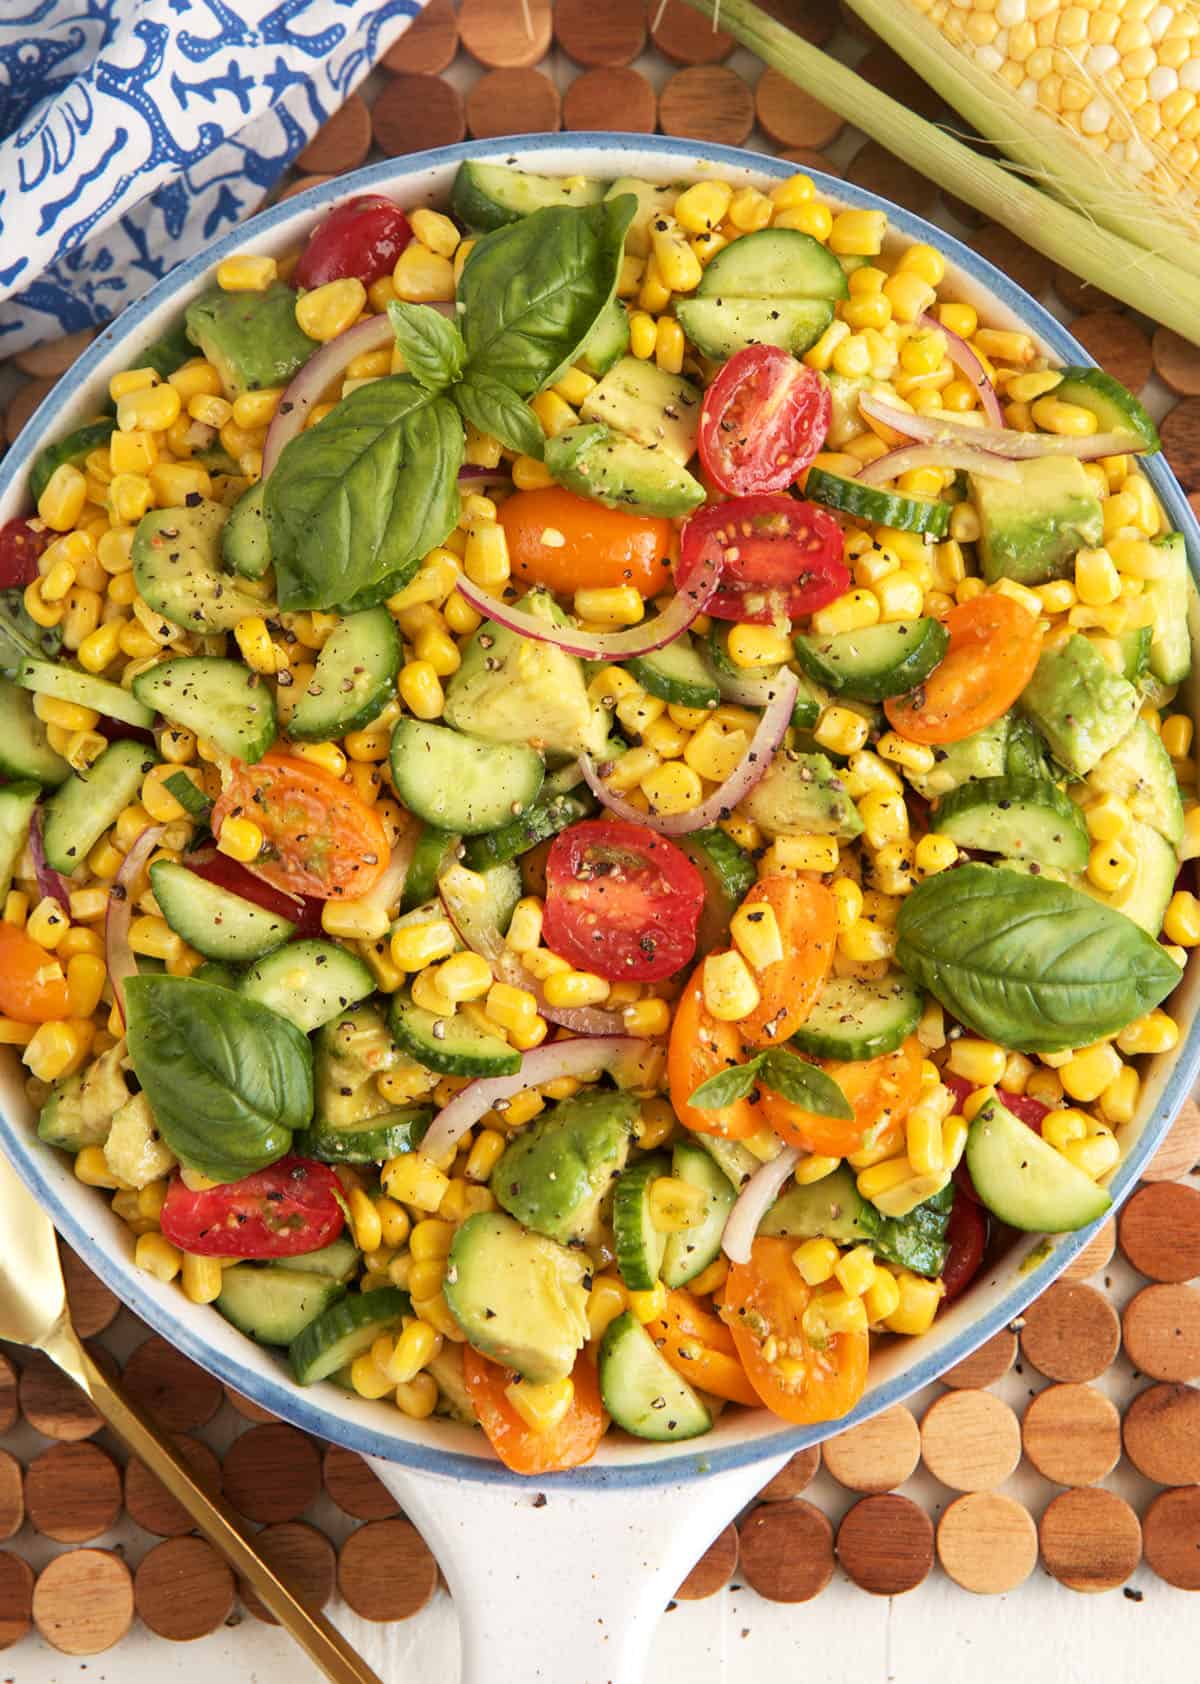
column 304, row 912
column 568, row 543
column 519, row 1447
column 702, row 1046
column 763, row 420
column 33, row 984
column 778, row 556
column 290, row 1207
column 994, row 646
column 967, row 1234
column 363, row 237
column 20, row 547
column 621, row 901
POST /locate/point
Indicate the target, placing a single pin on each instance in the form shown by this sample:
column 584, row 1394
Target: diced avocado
column 1146, row 896
column 1139, row 771
column 658, row 410
column 519, row 1297
column 135, row 1151
column 251, row 338
column 454, row 1400
column 607, row 341
column 245, row 545
column 652, row 201
column 802, row 793
column 555, row 1173
column 177, row 569
column 1032, row 528
column 981, row 755
column 1079, row 704
column 613, row 470
column 845, row 422
column 80, row 1109
column 1171, row 596
column 350, row 1052
column 511, row 689
column 1135, row 651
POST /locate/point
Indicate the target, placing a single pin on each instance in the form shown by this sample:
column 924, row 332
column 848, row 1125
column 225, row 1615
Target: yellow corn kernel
column 573, row 387
column 155, row 1255
column 555, row 416
column 422, row 276
column 900, row 597
column 756, row 646
column 979, row 1062
column 330, row 309
column 802, row 853
column 427, row 995
column 514, row 1009
column 908, row 294
column 867, row 309
column 882, row 1297
column 1069, row 420
column 201, row 1278
column 151, row 410
column 852, row 612
column 435, row 231
column 816, row 1260
column 417, row 1345
column 58, row 1049
column 1177, row 733
column 730, row 991
column 755, row 932
column 841, row 729
column 364, row 1220
column 618, row 605
column 367, row 1378
column 1111, row 865
column 1182, row 922
column 643, row 335
column 606, row 1301
column 669, row 342
column 1087, row 1073
column 61, row 503
column 830, row 1313
column 393, row 1221
column 1118, row 1103
column 914, row 757
column 430, row 1241
column 1156, row 1032
column 923, row 1131
column 673, row 788
column 648, row 1018
column 254, row 641
column 420, row 689
column 465, row 976
column 416, row 945
column 241, row 839
column 651, row 1305
column 884, row 1177
column 676, row 1205
column 86, row 976
column 917, row 1305
column 486, row 560
column 700, row 208
column 486, row 1151
column 575, row 988
column 154, row 938
column 91, row 1166
column 414, row 1180
column 1097, row 582
column 855, row 1270
column 47, row 923
column 858, row 233
column 749, row 210
column 246, row 273
column 849, row 899
column 884, row 817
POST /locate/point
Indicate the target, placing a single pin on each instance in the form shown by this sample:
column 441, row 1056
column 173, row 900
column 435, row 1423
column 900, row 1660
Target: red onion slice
column 935, row 429
column 118, row 955
column 968, row 364
column 755, row 764
column 51, row 883
column 319, row 372
column 753, row 1203
column 885, row 468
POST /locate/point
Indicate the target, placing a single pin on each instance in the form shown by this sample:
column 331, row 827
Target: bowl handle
column 557, row 1583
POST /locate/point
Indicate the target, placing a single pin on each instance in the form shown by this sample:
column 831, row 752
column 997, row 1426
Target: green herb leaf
column 727, row 1085
column 228, row 1080
column 193, row 801
column 916, row 1241
column 495, row 408
column 432, row 347
column 1034, row 964
column 801, row 1083
column 20, row 635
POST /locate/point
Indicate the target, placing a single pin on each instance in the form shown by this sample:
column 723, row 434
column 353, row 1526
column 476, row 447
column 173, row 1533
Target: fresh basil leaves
column 793, row 1078
column 228, row 1080
column 495, row 408
column 1034, row 964
column 727, row 1086
column 432, row 346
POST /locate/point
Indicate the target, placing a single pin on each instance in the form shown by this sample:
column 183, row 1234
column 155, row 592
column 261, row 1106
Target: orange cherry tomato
column 699, row 1047
column 807, row 917
column 882, row 1091
column 700, row 1347
column 596, row 548
column 763, row 1305
column 571, row 1443
column 33, row 984
column 319, row 838
column 993, row 649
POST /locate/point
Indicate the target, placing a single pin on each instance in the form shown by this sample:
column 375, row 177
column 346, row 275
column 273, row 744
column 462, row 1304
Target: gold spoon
column 33, row 1312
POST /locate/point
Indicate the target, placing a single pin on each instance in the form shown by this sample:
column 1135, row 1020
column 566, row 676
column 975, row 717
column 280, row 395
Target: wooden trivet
column 272, row 1473
column 1071, row 1332
column 429, row 43
column 1180, row 1151
column 301, row 1556
column 885, row 1544
column 1118, row 345
column 16, row 1598
column 970, row 1440
column 985, row 1366
column 1162, row 1434
column 94, row 1306
column 790, row 116
column 413, row 111
column 714, row 1569
column 180, row 1395
column 1161, row 1329
column 246, row 1408
column 617, row 98
column 83, row 1601
column 1095, row 1255
column 880, row 171
column 1072, row 1434
column 1171, row 1537
column 12, row 1496
column 340, row 144
column 386, row 1570
column 600, row 35
column 1090, row 1539
column 355, row 1488
column 787, row 1551
column 52, row 1402
column 794, row 1477
column 707, row 102
column 987, row 1543
column 183, row 1589
column 1180, row 433
column 504, row 36
column 55, row 357
column 1159, row 1228
column 73, row 1492
column 149, row 1502
column 10, row 1406
column 512, row 101
column 674, row 31
column 1026, row 266
column 879, row 1455
column 1177, row 362
column 1081, row 296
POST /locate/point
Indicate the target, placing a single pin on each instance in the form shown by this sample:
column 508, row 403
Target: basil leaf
column 431, row 346
column 727, row 1085
column 228, row 1080
column 916, row 1241
column 531, row 292
column 1033, row 964
column 801, row 1083
column 495, row 408
column 362, row 496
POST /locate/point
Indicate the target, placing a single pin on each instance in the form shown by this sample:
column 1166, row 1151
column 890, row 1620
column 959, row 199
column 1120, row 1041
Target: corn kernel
column 246, row 274
column 855, row 1270
column 241, row 839
column 816, row 1260
column 651, row 1305
column 756, row 934
column 918, row 1301
column 841, row 729
column 857, row 233
column 730, row 991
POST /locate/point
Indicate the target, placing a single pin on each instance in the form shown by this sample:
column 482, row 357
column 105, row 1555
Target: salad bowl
column 565, row 1581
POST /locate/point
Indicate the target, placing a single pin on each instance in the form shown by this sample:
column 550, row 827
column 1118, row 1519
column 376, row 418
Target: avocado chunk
column 519, row 1297
column 608, row 340
column 80, row 1110
column 802, row 794
column 135, row 1151
column 652, row 201
column 1079, row 704
column 511, row 689
column 245, row 543
column 657, row 410
column 1032, row 528
column 349, row 1053
column 1140, row 773
column 981, row 755
column 1147, row 894
column 177, row 568
column 554, row 1175
column 251, row 338
column 613, row 470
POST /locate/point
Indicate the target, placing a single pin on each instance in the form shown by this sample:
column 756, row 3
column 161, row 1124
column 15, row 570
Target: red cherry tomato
column 291, row 1207
column 764, row 418
column 363, row 237
column 967, row 1233
column 20, row 547
column 621, row 901
column 778, row 555
column 226, row 873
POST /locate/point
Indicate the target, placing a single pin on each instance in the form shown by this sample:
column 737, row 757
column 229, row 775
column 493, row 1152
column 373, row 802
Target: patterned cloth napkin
column 134, row 132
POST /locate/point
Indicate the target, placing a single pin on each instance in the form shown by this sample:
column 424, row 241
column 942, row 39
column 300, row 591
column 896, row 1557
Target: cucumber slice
column 81, row 810
column 753, row 686
column 344, row 1331
column 217, row 699
column 1135, row 652
column 73, row 449
column 878, row 661
column 177, row 568
column 1116, row 409
column 640, row 1389
column 69, row 684
column 856, row 1019
column 736, row 1162
column 435, row 850
column 355, row 674
column 1024, row 1181
column 677, row 675
column 548, row 815
column 308, row 982
column 831, row 1208
column 245, row 543
column 690, row 1251
column 873, row 503
column 25, row 750
column 17, row 802
column 486, row 196
column 1139, row 772
column 366, row 1140
column 639, row 1244
column 1168, row 596
column 608, row 341
column 274, row 1305
column 729, row 874
column 339, row 1260
column 462, row 783
column 720, row 327
column 452, row 1046
column 774, row 263
column 1023, row 819
column 215, row 921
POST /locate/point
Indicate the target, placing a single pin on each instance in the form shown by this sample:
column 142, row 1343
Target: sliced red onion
column 50, row 883
column 755, row 763
column 471, row 477
column 641, row 639
column 935, row 429
column 753, row 1203
column 972, row 461
column 318, row 373
column 118, row 955
column 967, row 363
column 583, row 1057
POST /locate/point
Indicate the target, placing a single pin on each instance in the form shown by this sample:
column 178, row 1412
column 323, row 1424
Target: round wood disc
column 680, row 33
column 73, row 1492
column 1180, row 432
column 272, row 1473
column 1013, row 257
column 1170, row 1537
column 787, row 1551
column 1118, row 345
column 22, row 405
column 94, row 1306
column 354, row 1487
column 183, row 1589
column 386, row 1570
column 506, row 34
column 54, row 357
column 611, row 99
column 83, row 1601
column 413, row 111
column 1180, row 1151
column 707, row 102
column 790, row 116
column 429, row 43
column 1071, row 1332
column 16, row 1598
column 885, row 1544
column 612, row 33
column 1096, row 1254
column 10, row 1397
column 985, row 1366
column 970, row 1440
column 513, row 102
column 1159, row 1231
column 1161, row 1328
column 793, row 1477
column 247, row 1408
column 1177, row 363
column 889, row 72
column 1072, row 1434
column 879, row 170
column 303, row 1558
column 807, row 159
column 54, row 1404
column 987, row 1543
column 1161, row 1434
column 1090, row 1539
column 714, row 1569
column 179, row 1394
column 1081, row 296
column 341, row 143
column 149, row 1502
column 879, row 1455
column 12, row 1496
